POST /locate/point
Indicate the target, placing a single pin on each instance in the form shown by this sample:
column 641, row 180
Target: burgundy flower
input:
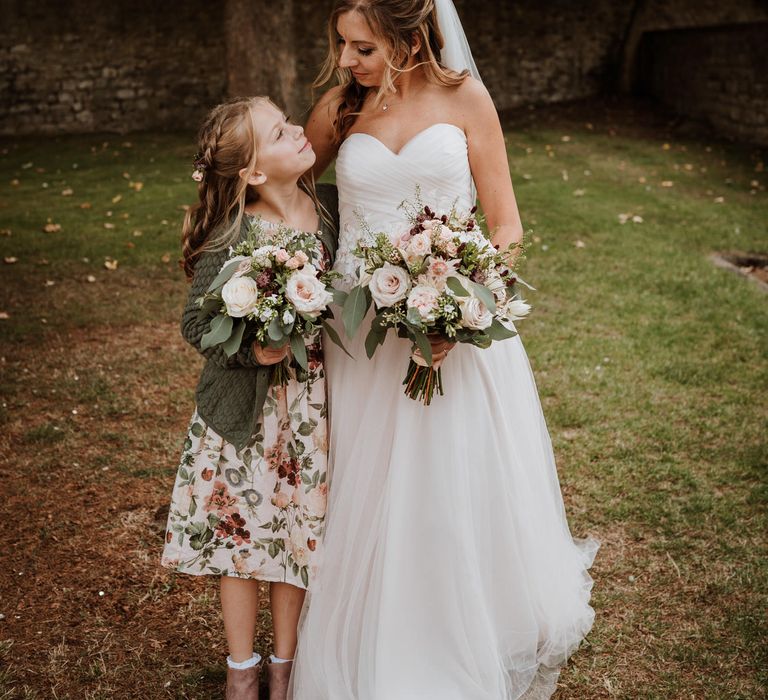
column 264, row 279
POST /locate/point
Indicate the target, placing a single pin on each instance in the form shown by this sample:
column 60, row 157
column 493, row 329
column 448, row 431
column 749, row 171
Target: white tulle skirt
column 449, row 569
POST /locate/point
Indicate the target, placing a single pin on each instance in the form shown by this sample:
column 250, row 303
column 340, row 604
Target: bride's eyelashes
column 362, row 52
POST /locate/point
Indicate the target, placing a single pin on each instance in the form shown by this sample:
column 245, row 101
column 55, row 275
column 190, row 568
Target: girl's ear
column 255, row 178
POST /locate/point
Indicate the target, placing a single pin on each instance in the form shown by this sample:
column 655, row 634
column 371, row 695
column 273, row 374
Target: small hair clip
column 200, row 167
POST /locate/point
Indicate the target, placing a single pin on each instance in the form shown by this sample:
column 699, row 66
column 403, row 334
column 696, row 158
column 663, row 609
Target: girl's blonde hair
column 227, row 144
column 396, row 22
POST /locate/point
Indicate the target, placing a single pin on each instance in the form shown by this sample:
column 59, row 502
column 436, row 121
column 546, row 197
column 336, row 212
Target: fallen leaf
column 130, row 244
column 15, row 183
column 754, row 183
column 26, row 166
column 86, row 205
column 184, row 207
column 90, row 278
column 108, row 213
column 110, row 264
column 125, row 215
column 50, row 227
column 5, row 232
column 10, row 260
column 719, row 200
column 665, row 147
column 49, row 283
column 667, row 183
column 138, row 233
column 579, row 193
column 164, row 222
column 67, row 192
column 526, row 176
column 126, row 144
column 623, row 218
column 116, row 198
column 108, row 225
column 4, row 315
column 44, row 185
column 137, row 186
column 641, row 180
column 43, row 261
column 564, row 175
column 637, row 219
column 565, row 139
column 127, row 176
column 688, row 167
column 580, row 244
column 166, row 258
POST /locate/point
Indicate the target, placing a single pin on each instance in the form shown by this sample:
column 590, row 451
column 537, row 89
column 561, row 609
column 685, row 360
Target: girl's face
column 284, row 153
column 360, row 50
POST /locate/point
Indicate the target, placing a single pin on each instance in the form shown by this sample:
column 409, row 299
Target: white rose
column 516, row 309
column 474, row 314
column 288, row 317
column 389, row 284
column 424, row 298
column 240, row 295
column 263, row 256
column 316, row 501
column 418, row 247
column 307, row 293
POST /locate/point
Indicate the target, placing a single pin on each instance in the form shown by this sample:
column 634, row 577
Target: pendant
column 385, row 107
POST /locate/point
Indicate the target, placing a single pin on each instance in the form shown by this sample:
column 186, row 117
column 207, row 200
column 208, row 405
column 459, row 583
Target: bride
column 449, row 570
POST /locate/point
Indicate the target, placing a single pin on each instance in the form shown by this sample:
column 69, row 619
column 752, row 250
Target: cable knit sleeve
column 193, row 329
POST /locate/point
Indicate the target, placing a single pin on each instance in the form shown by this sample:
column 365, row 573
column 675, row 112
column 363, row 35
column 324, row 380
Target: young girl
column 249, row 500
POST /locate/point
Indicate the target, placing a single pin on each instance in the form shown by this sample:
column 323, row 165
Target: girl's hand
column 269, row 355
column 440, row 348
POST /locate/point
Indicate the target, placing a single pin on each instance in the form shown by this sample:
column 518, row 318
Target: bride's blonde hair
column 396, row 23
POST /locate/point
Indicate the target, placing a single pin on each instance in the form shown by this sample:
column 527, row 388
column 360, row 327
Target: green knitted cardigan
column 231, row 392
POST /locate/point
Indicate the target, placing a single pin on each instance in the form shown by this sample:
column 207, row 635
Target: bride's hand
column 269, row 355
column 440, row 349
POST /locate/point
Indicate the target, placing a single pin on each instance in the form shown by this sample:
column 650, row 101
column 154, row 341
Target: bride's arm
column 488, row 161
column 319, row 130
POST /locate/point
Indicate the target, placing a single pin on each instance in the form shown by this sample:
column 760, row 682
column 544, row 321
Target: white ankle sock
column 277, row 660
column 242, row 665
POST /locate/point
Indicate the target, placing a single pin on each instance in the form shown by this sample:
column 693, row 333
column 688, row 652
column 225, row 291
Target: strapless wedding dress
column 449, row 570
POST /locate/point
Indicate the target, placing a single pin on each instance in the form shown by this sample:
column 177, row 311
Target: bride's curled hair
column 396, row 23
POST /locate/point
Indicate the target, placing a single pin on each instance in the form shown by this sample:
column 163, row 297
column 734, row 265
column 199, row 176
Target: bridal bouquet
column 273, row 289
column 440, row 278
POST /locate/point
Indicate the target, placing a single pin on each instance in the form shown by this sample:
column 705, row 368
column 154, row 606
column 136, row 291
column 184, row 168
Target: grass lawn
column 651, row 365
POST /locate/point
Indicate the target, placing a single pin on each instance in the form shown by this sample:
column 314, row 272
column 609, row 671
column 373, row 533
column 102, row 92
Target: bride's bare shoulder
column 470, row 90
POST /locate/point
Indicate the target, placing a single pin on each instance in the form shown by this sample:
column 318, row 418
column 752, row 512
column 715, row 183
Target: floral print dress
column 258, row 513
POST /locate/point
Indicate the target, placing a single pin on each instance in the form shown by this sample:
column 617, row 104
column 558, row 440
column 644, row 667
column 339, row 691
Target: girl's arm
column 488, row 161
column 319, row 130
column 193, row 329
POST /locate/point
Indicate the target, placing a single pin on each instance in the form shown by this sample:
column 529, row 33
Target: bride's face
column 360, row 50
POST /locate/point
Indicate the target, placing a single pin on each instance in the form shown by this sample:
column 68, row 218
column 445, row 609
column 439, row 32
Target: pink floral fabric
column 259, row 513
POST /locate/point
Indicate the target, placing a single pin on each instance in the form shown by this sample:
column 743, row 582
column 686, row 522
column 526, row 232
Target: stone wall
column 84, row 65
column 717, row 75
column 91, row 66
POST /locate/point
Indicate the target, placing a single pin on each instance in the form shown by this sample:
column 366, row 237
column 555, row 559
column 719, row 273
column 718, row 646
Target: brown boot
column 243, row 684
column 279, row 675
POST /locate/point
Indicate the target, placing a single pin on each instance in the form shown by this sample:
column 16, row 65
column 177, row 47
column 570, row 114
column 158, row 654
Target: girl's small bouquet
column 274, row 289
column 441, row 278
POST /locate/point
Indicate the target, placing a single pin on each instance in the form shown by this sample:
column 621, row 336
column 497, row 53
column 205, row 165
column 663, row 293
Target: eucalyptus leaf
column 374, row 338
column 220, row 330
column 485, row 295
column 224, row 275
column 299, row 350
column 456, row 287
column 275, row 330
column 422, row 342
column 498, row 331
column 334, row 336
column 232, row 345
column 355, row 307
column 339, row 297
